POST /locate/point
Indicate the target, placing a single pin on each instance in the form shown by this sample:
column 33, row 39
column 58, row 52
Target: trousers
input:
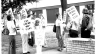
column 59, row 37
column 39, row 49
column 43, row 34
column 25, row 46
column 12, row 45
column 85, row 33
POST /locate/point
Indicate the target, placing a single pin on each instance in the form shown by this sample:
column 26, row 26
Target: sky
column 44, row 3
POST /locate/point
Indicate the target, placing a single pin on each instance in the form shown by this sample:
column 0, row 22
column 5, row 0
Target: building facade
column 49, row 10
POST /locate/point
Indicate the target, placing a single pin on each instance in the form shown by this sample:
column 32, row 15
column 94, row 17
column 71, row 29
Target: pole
column 63, row 5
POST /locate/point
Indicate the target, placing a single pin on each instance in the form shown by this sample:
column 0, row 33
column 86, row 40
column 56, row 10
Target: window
column 37, row 12
column 51, row 15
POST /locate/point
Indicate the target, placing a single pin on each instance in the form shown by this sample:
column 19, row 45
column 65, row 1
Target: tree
column 6, row 4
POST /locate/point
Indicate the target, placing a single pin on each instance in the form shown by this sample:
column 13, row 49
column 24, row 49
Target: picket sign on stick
column 10, row 12
column 23, row 13
column 27, row 24
column 12, row 48
column 64, row 16
column 73, row 13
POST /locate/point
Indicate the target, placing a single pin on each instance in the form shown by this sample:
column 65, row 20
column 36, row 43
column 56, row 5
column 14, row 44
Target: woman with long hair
column 58, row 32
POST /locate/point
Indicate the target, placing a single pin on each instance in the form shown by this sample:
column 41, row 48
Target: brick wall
column 80, row 47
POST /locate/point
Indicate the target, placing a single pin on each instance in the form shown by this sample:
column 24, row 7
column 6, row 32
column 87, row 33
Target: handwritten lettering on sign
column 23, row 14
column 27, row 24
column 72, row 12
column 64, row 16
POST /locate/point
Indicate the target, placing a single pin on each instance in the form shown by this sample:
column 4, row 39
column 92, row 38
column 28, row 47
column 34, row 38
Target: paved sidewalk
column 45, row 51
column 54, row 51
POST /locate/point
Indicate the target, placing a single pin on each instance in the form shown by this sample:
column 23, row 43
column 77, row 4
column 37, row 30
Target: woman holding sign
column 38, row 36
column 12, row 32
column 44, row 24
column 23, row 31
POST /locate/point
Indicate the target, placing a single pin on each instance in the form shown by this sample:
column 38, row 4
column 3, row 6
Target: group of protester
column 79, row 27
column 38, row 26
column 35, row 30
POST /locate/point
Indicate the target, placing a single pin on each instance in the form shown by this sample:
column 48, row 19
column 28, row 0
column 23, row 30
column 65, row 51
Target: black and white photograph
column 48, row 26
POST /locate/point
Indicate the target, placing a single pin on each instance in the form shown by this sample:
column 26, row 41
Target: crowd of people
column 38, row 26
column 30, row 27
column 82, row 27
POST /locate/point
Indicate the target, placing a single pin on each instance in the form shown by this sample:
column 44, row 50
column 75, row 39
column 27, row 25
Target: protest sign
column 27, row 24
column 64, row 16
column 23, row 13
column 73, row 13
column 10, row 12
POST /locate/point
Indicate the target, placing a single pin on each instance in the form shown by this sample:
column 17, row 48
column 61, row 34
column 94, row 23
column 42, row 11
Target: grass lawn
column 50, row 36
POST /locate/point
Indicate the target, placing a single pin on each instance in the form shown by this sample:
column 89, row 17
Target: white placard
column 64, row 16
column 27, row 24
column 23, row 13
column 73, row 13
column 10, row 12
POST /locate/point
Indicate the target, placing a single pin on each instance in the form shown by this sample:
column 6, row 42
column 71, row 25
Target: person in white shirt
column 12, row 32
column 58, row 32
column 73, row 32
column 39, row 39
column 23, row 32
column 44, row 24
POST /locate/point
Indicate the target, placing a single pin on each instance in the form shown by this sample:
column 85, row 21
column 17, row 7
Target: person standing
column 58, row 32
column 86, row 25
column 32, row 34
column 43, row 22
column 23, row 31
column 12, row 32
column 39, row 39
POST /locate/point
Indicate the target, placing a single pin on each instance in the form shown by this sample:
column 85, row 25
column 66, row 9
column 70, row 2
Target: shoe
column 60, row 50
column 24, row 53
column 44, row 46
column 64, row 46
column 28, row 52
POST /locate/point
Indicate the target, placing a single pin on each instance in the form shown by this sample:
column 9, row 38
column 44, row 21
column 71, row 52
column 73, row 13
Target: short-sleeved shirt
column 58, row 22
column 11, row 26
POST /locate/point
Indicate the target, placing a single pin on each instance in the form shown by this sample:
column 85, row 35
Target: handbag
column 54, row 28
column 31, row 40
column 5, row 31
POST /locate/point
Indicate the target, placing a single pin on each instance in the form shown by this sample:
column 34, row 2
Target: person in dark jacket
column 85, row 30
